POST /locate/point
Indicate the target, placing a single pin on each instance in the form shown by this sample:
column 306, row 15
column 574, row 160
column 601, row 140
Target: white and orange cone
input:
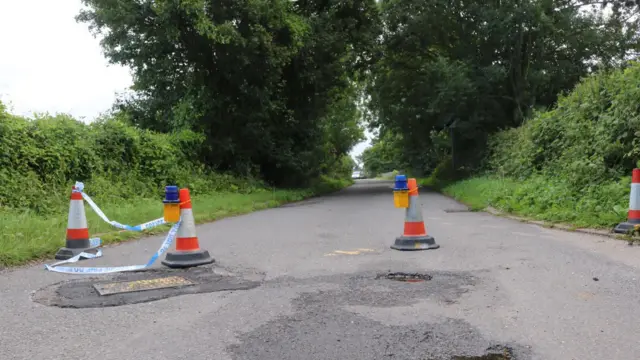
column 77, row 230
column 188, row 252
column 633, row 216
column 415, row 233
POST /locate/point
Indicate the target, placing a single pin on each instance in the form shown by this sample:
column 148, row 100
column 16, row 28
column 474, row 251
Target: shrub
column 42, row 157
column 571, row 163
column 590, row 138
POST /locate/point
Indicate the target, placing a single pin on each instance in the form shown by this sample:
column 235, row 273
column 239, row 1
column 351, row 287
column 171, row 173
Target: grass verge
column 543, row 198
column 26, row 237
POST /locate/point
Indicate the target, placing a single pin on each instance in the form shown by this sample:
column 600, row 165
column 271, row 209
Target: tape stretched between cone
column 107, row 270
column 96, row 242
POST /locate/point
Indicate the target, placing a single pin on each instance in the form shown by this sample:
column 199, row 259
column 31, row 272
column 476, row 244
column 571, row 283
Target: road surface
column 542, row 293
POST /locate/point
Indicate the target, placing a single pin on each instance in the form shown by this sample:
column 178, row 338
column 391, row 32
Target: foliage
column 270, row 83
column 43, row 157
column 27, row 236
column 383, row 156
column 124, row 170
column 547, row 198
column 467, row 69
column 571, row 163
column 590, row 138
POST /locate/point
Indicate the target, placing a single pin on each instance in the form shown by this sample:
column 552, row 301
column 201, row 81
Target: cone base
column 414, row 243
column 186, row 259
column 624, row 228
column 67, row 253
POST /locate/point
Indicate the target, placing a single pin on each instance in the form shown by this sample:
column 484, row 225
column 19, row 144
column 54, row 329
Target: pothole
column 406, row 277
column 496, row 353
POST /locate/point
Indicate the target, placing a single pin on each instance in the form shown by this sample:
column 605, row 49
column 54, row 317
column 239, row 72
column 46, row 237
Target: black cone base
column 67, row 253
column 624, row 228
column 414, row 243
column 185, row 259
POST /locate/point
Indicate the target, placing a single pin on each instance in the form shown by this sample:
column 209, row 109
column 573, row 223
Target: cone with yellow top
column 188, row 252
column 415, row 233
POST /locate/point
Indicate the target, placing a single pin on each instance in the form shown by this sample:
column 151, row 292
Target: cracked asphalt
column 495, row 282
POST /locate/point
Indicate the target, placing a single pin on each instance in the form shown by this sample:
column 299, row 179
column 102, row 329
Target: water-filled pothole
column 406, row 277
column 502, row 353
column 483, row 357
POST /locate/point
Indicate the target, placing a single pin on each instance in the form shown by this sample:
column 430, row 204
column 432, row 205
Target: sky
column 51, row 63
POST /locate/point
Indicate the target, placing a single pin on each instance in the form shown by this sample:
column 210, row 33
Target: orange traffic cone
column 415, row 234
column 633, row 215
column 77, row 229
column 188, row 252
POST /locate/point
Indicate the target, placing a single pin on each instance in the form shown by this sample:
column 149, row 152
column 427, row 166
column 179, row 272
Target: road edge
column 632, row 240
column 137, row 236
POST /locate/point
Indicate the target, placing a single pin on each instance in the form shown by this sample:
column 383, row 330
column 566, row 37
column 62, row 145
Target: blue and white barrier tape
column 148, row 225
column 107, row 270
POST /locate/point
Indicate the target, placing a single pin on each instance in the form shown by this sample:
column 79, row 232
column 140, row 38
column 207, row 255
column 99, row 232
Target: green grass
column 544, row 198
column 25, row 236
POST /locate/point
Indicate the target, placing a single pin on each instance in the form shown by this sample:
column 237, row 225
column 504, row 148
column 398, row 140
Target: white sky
column 51, row 63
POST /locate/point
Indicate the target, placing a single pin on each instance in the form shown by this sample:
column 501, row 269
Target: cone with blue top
column 401, row 192
column 188, row 252
column 415, row 233
column 77, row 240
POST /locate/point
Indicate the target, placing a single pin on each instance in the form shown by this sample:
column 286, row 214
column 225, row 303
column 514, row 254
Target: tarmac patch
column 341, row 323
column 142, row 286
column 351, row 252
column 493, row 353
column 407, row 277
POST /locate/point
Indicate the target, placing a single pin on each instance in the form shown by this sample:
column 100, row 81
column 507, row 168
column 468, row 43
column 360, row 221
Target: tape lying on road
column 148, row 225
column 107, row 270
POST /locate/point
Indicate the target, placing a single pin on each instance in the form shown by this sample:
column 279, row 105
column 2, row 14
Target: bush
column 592, row 136
column 544, row 198
column 572, row 163
column 42, row 158
column 444, row 174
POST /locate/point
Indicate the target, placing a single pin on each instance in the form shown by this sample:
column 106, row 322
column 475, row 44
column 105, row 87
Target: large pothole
column 142, row 286
column 406, row 277
column 493, row 353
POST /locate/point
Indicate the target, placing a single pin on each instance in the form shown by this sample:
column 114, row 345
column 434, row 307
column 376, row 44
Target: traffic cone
column 188, row 252
column 77, row 230
column 415, row 234
column 633, row 216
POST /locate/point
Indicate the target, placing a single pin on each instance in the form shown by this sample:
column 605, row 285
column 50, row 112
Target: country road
column 312, row 292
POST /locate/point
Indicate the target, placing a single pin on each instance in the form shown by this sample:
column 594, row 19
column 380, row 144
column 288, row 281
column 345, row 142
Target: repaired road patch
column 141, row 286
column 351, row 252
column 355, row 320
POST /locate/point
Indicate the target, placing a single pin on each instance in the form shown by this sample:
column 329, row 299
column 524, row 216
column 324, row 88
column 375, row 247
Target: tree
column 259, row 78
column 383, row 156
column 470, row 68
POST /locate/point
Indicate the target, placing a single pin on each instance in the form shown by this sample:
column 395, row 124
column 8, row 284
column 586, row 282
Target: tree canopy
column 272, row 84
column 462, row 70
column 280, row 88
